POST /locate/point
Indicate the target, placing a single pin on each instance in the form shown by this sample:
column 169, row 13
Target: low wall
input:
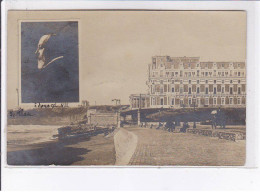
column 233, row 136
column 125, row 145
column 103, row 119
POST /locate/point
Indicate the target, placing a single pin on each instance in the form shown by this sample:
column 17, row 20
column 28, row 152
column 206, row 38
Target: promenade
column 126, row 146
column 158, row 147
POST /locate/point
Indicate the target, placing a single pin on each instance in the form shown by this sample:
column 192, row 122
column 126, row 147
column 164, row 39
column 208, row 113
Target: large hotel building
column 176, row 82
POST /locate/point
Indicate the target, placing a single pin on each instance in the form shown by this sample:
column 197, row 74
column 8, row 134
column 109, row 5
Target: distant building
column 85, row 103
column 176, row 82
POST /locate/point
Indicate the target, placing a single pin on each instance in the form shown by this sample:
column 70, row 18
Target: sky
column 115, row 47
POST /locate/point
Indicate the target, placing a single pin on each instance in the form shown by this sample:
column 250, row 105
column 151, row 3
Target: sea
column 30, row 134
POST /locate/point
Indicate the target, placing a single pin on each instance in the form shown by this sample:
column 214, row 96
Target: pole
column 139, row 112
column 194, row 123
column 118, row 119
column 17, row 96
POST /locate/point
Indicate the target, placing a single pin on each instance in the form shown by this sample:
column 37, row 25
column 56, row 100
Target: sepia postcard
column 126, row 88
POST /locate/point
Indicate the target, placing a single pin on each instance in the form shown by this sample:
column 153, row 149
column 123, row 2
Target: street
column 158, row 147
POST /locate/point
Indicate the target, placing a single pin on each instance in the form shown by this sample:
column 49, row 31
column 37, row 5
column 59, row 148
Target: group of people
column 169, row 126
column 218, row 119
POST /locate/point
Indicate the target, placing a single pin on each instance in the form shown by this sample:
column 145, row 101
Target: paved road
column 158, row 147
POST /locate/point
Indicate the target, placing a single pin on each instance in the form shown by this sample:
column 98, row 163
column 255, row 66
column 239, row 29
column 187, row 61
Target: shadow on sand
column 61, row 152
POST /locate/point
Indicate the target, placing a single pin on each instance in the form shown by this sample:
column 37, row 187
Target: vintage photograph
column 49, row 62
column 126, row 88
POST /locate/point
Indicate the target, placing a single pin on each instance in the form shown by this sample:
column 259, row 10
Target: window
column 189, row 101
column 161, row 101
column 222, row 65
column 231, row 81
column 206, row 73
column 231, row 90
column 181, row 81
column 222, row 101
column 153, row 101
column 239, row 81
column 172, row 89
column 161, row 89
column 198, row 90
column 239, row 90
column 172, row 81
column 207, row 90
column 189, row 81
column 161, row 73
column 172, row 101
column 215, row 81
column 189, row 90
column 197, row 65
column 215, row 90
column 238, row 101
column 222, row 90
column 223, row 81
column 181, row 102
column 198, row 72
column 222, row 74
column 206, row 81
column 230, row 100
column 189, row 65
column 198, row 81
column 238, row 73
column 215, row 101
column 206, row 101
column 181, row 90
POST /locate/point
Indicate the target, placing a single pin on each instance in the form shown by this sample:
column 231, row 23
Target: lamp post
column 194, row 122
column 17, row 96
column 139, row 111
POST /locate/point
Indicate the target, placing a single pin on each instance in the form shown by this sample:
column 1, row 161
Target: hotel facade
column 178, row 82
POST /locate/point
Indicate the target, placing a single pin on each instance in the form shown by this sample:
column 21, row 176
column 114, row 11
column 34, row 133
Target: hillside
column 233, row 115
column 58, row 115
column 49, row 116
